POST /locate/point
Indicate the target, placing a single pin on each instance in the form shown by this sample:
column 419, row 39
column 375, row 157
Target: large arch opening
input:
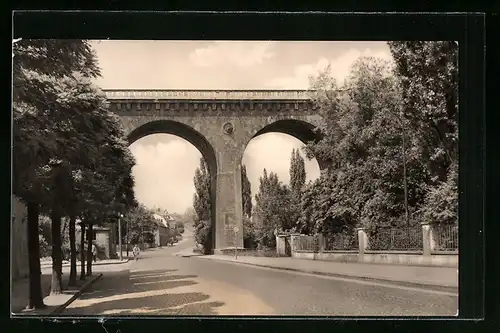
column 194, row 139
column 271, row 148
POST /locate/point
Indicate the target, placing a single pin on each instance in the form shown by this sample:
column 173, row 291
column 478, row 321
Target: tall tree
column 362, row 135
column 297, row 172
column 429, row 77
column 202, row 206
column 38, row 67
column 246, row 192
column 272, row 209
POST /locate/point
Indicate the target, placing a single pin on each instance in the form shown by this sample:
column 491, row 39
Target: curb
column 449, row 289
column 93, row 264
column 87, row 284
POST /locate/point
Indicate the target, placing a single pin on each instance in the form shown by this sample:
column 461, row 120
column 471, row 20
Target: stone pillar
column 229, row 210
column 426, row 238
column 362, row 240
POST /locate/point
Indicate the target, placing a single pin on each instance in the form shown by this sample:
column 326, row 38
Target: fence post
column 427, row 238
column 321, row 243
column 362, row 240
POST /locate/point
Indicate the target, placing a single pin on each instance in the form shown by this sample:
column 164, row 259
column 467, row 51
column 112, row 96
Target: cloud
column 273, row 151
column 340, row 67
column 166, row 165
column 240, row 54
column 164, row 172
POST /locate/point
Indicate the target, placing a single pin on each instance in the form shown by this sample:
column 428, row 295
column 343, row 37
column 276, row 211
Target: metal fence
column 347, row 240
column 400, row 239
column 305, row 243
column 445, row 237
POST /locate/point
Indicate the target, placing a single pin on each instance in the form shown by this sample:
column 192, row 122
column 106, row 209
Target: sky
column 165, row 163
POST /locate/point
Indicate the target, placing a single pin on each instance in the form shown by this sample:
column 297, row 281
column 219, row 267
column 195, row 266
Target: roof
column 160, row 220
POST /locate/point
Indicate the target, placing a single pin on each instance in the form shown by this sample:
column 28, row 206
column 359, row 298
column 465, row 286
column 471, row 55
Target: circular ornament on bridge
column 236, row 229
column 228, row 128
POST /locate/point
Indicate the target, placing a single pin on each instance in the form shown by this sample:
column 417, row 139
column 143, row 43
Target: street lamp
column 120, row 235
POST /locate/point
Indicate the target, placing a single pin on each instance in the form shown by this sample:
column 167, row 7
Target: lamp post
column 404, row 168
column 120, row 235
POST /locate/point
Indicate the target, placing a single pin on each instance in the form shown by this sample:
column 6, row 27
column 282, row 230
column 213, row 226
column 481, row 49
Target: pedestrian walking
column 136, row 251
column 94, row 252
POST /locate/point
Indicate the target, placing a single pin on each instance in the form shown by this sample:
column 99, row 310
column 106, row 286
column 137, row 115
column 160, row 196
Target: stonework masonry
column 219, row 124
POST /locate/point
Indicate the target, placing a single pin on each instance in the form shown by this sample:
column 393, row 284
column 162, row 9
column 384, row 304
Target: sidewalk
column 47, row 264
column 20, row 295
column 416, row 275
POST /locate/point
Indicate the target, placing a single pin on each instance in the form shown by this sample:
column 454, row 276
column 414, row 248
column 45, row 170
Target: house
column 103, row 236
column 162, row 232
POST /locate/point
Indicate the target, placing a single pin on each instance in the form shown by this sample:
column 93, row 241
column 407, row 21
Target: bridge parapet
column 223, row 95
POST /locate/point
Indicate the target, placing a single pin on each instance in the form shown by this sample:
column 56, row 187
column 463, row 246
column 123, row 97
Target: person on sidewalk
column 94, row 252
column 136, row 251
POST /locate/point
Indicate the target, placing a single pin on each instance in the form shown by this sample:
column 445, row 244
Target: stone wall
column 19, row 241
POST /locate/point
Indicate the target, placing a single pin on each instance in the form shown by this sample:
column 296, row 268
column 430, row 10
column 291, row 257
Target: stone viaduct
column 219, row 124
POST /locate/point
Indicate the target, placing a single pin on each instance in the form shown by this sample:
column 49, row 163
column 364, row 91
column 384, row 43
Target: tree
column 297, row 182
column 272, row 209
column 297, row 172
column 363, row 136
column 428, row 72
column 139, row 221
column 246, row 192
column 38, row 69
column 202, row 206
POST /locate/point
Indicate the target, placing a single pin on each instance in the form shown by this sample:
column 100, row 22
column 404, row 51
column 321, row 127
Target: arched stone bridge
column 219, row 124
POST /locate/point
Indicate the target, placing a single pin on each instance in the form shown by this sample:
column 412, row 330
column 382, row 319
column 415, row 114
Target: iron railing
column 305, row 243
column 347, row 240
column 396, row 239
column 445, row 237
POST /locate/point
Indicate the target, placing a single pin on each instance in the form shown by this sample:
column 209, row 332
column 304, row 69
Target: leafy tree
column 363, row 136
column 179, row 225
column 202, row 207
column 138, row 222
column 246, row 192
column 39, row 70
column 428, row 72
column 272, row 210
column 297, row 182
column 297, row 172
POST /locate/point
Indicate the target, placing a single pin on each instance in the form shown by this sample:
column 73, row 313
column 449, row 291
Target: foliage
column 136, row 222
column 297, row 182
column 179, row 226
column 249, row 233
column 202, row 206
column 363, row 135
column 429, row 78
column 272, row 209
column 246, row 192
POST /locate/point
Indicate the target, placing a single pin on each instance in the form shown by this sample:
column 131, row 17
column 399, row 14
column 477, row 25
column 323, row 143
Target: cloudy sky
column 165, row 163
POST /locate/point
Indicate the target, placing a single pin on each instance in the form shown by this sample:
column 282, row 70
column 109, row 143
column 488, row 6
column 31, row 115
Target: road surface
column 163, row 284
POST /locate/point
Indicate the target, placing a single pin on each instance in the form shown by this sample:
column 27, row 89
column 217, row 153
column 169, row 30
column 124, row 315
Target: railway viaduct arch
column 219, row 124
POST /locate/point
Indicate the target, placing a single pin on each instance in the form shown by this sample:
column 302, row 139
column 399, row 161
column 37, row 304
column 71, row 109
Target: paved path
column 432, row 276
column 163, row 284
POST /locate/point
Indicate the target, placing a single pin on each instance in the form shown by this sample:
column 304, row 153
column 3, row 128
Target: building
column 162, row 232
column 19, row 260
column 103, row 236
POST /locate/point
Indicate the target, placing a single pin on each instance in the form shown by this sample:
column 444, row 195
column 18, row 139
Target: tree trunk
column 72, row 245
column 89, row 249
column 56, row 285
column 35, row 272
column 82, row 251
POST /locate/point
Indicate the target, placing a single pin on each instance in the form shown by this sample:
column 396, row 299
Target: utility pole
column 404, row 170
column 120, row 235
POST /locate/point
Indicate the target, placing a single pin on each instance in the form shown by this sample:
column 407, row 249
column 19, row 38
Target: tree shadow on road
column 143, row 293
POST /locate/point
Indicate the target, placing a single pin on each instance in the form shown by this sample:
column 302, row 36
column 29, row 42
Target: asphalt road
column 160, row 283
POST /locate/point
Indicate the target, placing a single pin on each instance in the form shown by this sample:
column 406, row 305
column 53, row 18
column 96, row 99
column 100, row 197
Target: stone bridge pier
column 219, row 124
